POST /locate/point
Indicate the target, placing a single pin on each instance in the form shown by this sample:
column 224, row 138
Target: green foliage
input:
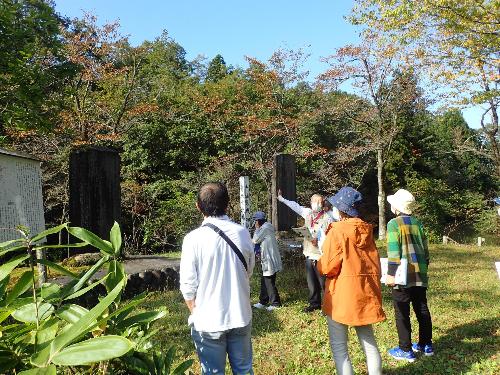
column 444, row 210
column 488, row 225
column 179, row 126
column 217, row 69
column 157, row 364
column 33, row 69
column 163, row 148
column 176, row 215
column 40, row 330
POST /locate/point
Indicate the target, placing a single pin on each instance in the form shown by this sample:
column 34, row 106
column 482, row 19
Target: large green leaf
column 22, row 285
column 3, row 287
column 123, row 311
column 45, row 233
column 28, row 313
column 141, row 318
column 183, row 367
column 115, row 236
column 97, row 349
column 6, row 268
column 116, row 273
column 169, row 359
column 49, row 370
column 20, row 302
column 83, row 325
column 11, row 249
column 10, row 242
column 23, row 333
column 71, row 313
column 86, row 289
column 4, row 314
column 71, row 289
column 159, row 361
column 92, row 239
column 57, row 267
column 46, row 333
column 50, row 292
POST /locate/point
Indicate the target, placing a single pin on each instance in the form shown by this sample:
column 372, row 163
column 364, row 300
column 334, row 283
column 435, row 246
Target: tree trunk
column 381, row 195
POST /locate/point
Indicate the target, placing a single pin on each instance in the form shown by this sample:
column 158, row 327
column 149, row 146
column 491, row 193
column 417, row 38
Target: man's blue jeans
column 213, row 346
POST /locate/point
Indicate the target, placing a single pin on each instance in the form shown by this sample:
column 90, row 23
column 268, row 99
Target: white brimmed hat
column 402, row 201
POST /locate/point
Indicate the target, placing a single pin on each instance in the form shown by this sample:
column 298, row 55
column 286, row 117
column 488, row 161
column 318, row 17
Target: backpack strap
column 229, row 242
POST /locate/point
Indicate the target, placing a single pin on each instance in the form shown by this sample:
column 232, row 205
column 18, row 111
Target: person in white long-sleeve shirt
column 215, row 284
column 315, row 220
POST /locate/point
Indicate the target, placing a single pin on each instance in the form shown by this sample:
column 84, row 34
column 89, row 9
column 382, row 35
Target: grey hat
column 259, row 215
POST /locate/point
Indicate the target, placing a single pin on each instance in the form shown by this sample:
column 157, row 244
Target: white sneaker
column 259, row 306
column 271, row 308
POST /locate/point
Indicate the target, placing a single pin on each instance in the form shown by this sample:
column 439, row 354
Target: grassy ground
column 464, row 298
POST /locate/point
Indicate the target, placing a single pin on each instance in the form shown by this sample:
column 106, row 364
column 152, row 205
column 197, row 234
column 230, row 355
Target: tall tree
column 93, row 52
column 457, row 42
column 105, row 86
column 372, row 69
column 33, row 68
column 217, row 69
column 272, row 111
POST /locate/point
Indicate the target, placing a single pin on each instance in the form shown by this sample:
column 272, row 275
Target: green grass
column 464, row 299
column 172, row 255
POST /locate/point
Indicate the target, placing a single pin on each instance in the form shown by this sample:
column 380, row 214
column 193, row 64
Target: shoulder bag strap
column 229, row 242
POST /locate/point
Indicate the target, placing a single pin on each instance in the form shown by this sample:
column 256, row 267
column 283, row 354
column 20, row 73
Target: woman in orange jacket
column 353, row 296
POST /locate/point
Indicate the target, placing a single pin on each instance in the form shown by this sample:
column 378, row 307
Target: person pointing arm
column 294, row 206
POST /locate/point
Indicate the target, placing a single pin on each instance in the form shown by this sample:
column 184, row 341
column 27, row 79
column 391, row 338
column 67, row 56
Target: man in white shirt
column 215, row 283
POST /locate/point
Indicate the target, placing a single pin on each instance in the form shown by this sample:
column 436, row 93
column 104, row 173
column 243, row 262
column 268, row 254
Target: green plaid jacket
column 406, row 239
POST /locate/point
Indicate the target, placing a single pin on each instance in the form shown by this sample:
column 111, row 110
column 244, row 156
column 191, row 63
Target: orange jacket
column 351, row 264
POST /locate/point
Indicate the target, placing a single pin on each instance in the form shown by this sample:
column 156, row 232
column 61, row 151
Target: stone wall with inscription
column 21, row 200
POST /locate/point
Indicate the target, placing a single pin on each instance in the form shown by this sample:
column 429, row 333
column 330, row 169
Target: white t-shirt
column 213, row 275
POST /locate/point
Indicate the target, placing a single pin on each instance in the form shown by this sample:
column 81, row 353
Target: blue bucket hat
column 497, row 200
column 346, row 199
column 259, row 215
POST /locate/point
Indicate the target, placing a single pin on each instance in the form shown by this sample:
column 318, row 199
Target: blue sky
column 234, row 28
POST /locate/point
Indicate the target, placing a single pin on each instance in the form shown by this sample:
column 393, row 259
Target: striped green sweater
column 406, row 239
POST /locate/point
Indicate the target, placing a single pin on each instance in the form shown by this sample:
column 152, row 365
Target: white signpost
column 21, row 200
column 245, row 202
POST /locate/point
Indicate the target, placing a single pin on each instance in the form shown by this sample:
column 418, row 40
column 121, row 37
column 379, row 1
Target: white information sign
column 21, row 200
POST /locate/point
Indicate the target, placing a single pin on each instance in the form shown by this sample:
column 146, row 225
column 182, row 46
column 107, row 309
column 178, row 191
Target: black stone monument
column 94, row 189
column 284, row 178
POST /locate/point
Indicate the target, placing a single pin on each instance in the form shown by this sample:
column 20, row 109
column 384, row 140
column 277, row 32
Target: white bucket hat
column 402, row 201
